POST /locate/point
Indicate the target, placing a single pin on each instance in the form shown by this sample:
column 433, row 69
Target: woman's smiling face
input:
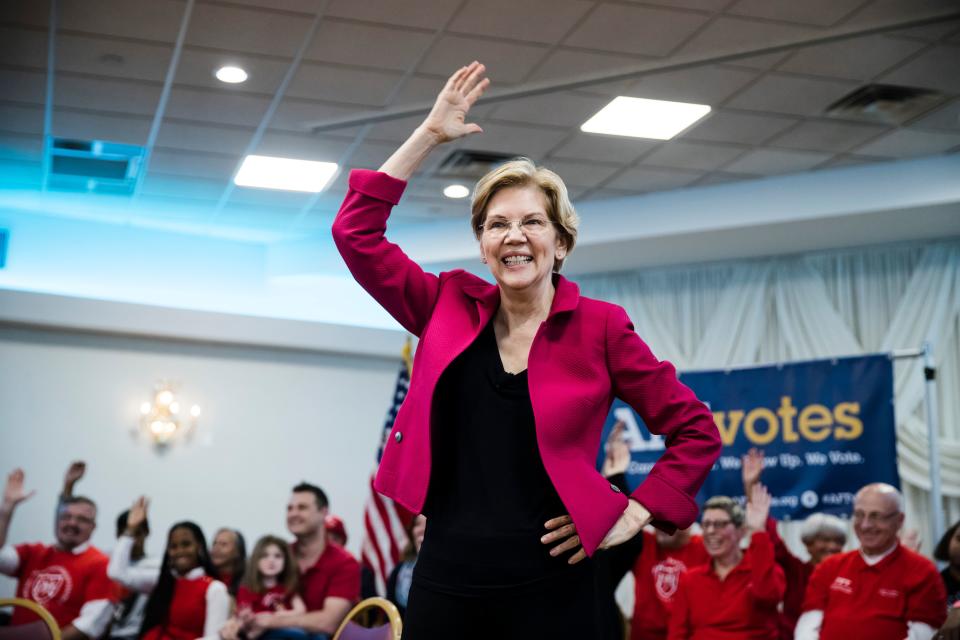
column 519, row 242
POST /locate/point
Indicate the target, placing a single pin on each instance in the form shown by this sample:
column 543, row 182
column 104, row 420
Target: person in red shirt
column 822, row 534
column 737, row 594
column 271, row 580
column 883, row 590
column 329, row 575
column 68, row 578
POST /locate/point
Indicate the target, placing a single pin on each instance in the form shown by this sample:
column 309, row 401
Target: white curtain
column 839, row 303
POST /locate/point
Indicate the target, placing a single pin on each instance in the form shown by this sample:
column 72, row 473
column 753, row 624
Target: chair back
column 44, row 628
column 371, row 619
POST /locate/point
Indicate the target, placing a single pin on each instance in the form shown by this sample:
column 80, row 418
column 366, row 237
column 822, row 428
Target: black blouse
column 489, row 493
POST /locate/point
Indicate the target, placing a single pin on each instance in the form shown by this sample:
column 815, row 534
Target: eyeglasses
column 498, row 227
column 715, row 524
column 874, row 517
column 67, row 517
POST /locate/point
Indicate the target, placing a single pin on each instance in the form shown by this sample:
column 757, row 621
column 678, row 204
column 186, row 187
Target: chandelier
column 162, row 419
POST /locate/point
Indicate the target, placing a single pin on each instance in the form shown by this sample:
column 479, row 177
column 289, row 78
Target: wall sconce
column 161, row 419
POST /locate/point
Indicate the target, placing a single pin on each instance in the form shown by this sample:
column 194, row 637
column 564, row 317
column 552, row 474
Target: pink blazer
column 583, row 355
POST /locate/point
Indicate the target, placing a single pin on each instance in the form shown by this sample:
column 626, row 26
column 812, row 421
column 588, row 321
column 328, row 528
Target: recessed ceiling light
column 456, row 191
column 231, row 75
column 287, row 174
column 643, row 118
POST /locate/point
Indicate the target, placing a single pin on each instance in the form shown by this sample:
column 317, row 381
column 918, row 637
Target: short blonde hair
column 523, row 172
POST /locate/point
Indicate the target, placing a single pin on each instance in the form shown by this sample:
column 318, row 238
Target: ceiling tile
column 366, row 45
column 907, row 143
column 721, row 177
column 197, row 68
column 321, row 82
column 728, row 35
column 505, row 61
column 581, row 174
column 157, row 184
column 703, row 85
column 270, row 198
column 193, row 165
column 850, row 160
column 304, row 147
column 25, row 12
column 515, row 139
column 221, row 107
column 21, row 148
column 17, row 174
column 934, row 69
column 858, row 59
column 763, row 62
column 206, row 137
column 294, row 6
column 693, row 156
column 817, row 135
column 397, row 131
column 819, row 12
column 635, row 30
column 104, row 94
column 294, row 114
column 946, row 117
column 565, row 64
column 930, row 32
column 157, row 20
column 776, row 161
column 791, row 95
column 712, row 6
column 421, row 14
column 881, row 11
column 561, row 109
column 545, row 21
column 23, row 86
column 597, row 148
column 23, row 48
column 113, row 58
column 241, row 29
column 21, row 118
column 743, row 128
column 644, row 179
column 90, row 126
column 607, row 194
column 371, row 155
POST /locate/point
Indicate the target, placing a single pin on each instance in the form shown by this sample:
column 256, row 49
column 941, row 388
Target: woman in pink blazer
column 497, row 439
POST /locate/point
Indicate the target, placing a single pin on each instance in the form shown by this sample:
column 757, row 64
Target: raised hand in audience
column 911, row 540
column 137, row 515
column 758, row 508
column 73, row 475
column 617, row 458
column 750, row 469
column 13, row 492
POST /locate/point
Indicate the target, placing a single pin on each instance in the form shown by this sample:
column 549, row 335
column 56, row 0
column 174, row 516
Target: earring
column 483, row 259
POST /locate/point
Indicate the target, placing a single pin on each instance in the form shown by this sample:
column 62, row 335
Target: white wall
column 271, row 417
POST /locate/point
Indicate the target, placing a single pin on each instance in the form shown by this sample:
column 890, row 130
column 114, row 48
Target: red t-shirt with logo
column 656, row 575
column 61, row 581
column 187, row 615
column 863, row 601
column 273, row 599
column 335, row 574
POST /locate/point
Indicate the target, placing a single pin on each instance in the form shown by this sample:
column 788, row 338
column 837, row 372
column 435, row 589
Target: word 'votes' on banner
column 827, row 428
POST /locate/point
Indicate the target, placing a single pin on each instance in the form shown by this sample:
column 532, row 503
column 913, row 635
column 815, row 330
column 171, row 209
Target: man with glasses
column 68, row 578
column 882, row 590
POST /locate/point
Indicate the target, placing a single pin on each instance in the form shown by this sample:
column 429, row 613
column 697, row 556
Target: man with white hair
column 883, row 590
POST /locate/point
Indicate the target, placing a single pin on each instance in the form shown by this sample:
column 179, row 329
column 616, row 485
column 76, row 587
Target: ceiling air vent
column 885, row 103
column 462, row 163
column 93, row 166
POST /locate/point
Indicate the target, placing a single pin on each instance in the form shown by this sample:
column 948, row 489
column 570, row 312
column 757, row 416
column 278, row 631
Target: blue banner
column 826, row 426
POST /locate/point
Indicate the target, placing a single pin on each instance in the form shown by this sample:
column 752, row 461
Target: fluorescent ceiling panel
column 643, row 118
column 286, row 174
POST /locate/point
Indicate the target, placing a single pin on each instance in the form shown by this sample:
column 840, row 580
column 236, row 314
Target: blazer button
column 615, row 488
column 398, row 436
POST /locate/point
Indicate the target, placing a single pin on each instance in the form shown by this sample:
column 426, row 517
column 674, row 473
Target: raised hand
column 750, row 469
column 448, row 118
column 562, row 528
column 13, row 492
column 758, row 508
column 73, row 475
column 617, row 458
column 137, row 515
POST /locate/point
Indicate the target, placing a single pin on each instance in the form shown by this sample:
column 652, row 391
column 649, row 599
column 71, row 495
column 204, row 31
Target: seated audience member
column 228, row 553
column 736, row 595
column 822, row 534
column 882, row 590
column 336, row 530
column 185, row 601
column 329, row 575
column 68, row 578
column 398, row 584
column 128, row 616
column 948, row 550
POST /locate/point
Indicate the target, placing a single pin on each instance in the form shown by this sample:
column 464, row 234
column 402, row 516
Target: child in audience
column 271, row 581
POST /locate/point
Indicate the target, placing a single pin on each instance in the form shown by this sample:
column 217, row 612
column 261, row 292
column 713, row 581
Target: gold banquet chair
column 371, row 619
column 44, row 628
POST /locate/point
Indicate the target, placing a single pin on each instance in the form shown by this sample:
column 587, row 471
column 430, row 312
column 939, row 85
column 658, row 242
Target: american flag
column 385, row 522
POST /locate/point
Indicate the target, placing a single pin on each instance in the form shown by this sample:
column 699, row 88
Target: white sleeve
column 919, row 631
column 218, row 610
column 94, row 617
column 9, row 560
column 139, row 578
column 808, row 625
